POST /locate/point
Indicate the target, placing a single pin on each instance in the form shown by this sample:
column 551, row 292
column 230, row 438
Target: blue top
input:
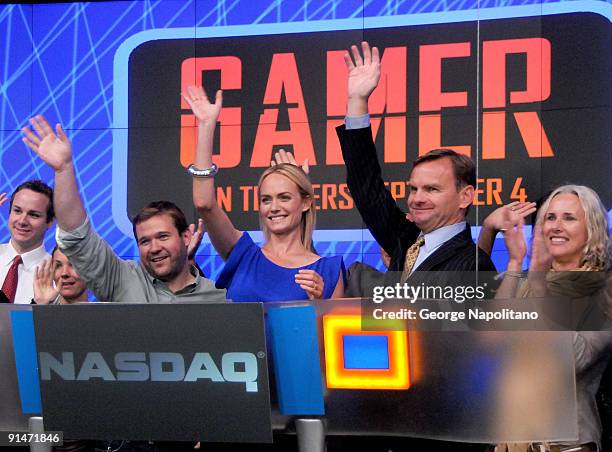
column 249, row 275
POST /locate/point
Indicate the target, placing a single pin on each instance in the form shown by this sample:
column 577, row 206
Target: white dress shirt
column 25, row 271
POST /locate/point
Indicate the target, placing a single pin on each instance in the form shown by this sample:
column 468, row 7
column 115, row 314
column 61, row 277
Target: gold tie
column 411, row 256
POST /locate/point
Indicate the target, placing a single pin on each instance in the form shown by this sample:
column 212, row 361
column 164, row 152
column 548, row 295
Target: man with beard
column 164, row 273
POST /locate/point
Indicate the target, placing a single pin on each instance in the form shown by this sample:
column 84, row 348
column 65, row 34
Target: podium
column 219, row 372
column 465, row 386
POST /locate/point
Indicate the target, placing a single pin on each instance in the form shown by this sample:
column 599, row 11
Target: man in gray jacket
column 164, row 273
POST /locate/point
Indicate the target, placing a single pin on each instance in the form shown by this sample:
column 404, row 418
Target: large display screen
column 523, row 89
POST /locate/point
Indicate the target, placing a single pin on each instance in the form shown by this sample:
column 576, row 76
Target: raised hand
column 223, row 235
column 205, row 111
column 311, row 282
column 283, row 156
column 494, row 222
column 540, row 263
column 3, row 198
column 53, row 147
column 44, row 290
column 511, row 212
column 515, row 242
column 363, row 72
column 196, row 239
column 541, row 259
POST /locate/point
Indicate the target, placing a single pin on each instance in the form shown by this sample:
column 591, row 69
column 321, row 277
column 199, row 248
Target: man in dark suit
column 434, row 235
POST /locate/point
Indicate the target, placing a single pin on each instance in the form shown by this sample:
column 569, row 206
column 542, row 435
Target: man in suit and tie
column 31, row 215
column 434, row 235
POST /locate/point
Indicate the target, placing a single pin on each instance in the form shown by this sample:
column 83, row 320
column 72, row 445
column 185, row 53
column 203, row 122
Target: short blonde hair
column 596, row 252
column 296, row 175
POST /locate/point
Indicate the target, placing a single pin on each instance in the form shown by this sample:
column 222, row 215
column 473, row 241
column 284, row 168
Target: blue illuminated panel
column 25, row 361
column 295, row 354
column 366, row 352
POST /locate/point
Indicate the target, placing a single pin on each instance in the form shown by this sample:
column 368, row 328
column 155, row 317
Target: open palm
column 541, row 259
column 53, row 147
column 363, row 72
column 512, row 212
column 283, row 156
column 202, row 108
column 44, row 290
column 515, row 239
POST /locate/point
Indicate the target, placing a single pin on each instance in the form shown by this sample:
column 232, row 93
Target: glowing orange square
column 397, row 376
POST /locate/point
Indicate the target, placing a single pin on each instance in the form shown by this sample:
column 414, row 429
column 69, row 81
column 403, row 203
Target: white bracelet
column 206, row 172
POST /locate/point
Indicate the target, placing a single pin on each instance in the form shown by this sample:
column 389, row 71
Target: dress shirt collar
column 29, row 259
column 437, row 237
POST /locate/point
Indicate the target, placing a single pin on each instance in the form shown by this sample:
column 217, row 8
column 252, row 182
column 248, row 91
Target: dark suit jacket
column 388, row 223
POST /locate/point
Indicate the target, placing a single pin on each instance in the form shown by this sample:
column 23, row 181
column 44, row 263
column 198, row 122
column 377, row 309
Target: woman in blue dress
column 286, row 267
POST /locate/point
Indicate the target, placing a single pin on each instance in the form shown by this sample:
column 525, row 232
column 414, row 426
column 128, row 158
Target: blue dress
column 249, row 275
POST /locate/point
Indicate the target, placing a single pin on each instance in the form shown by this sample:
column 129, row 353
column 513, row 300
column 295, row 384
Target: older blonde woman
column 570, row 257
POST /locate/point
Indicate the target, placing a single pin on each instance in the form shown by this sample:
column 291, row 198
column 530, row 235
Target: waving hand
column 202, row 108
column 53, row 147
column 363, row 77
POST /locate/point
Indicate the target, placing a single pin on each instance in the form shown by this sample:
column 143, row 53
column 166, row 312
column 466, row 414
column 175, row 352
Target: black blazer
column 3, row 298
column 387, row 222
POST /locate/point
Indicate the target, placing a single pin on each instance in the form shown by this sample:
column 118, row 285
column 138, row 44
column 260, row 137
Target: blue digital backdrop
column 61, row 60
